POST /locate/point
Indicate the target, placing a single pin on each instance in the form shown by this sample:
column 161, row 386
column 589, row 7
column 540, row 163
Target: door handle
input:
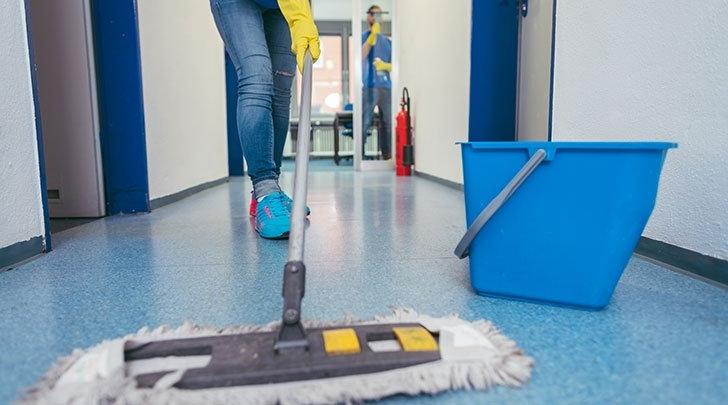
column 523, row 7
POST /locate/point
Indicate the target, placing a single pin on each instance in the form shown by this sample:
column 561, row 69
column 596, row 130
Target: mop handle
column 298, row 213
column 462, row 250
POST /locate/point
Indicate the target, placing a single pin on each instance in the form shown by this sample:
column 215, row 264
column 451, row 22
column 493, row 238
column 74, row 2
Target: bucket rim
column 571, row 145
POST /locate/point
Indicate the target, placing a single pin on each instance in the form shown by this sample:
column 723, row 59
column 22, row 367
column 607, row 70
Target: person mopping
column 376, row 56
column 266, row 39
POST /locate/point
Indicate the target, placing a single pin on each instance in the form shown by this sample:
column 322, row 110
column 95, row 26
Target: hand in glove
column 373, row 32
column 304, row 34
column 381, row 65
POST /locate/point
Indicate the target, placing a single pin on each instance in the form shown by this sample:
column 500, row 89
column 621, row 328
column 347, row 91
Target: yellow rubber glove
column 304, row 34
column 382, row 65
column 373, row 32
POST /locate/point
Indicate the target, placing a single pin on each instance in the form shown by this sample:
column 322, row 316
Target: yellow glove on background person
column 376, row 29
column 382, row 65
column 304, row 34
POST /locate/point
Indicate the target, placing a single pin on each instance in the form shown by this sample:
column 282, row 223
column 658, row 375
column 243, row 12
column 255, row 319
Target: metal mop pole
column 292, row 334
column 298, row 213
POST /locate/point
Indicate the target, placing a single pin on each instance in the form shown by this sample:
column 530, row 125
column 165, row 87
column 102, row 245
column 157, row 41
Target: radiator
column 323, row 144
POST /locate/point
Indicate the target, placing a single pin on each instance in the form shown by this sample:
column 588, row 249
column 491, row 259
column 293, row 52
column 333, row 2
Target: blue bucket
column 563, row 218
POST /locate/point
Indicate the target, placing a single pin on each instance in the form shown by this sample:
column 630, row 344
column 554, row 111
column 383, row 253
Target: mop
column 291, row 361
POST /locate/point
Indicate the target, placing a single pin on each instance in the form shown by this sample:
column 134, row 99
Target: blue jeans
column 259, row 44
column 382, row 97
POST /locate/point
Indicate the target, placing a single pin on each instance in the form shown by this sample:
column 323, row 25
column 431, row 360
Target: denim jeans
column 382, row 97
column 259, row 44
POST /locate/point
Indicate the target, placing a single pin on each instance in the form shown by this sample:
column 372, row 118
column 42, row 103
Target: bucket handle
column 462, row 250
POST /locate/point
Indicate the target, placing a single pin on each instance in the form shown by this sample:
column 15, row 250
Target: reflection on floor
column 374, row 241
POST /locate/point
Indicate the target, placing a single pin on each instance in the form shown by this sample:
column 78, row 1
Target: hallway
column 374, row 241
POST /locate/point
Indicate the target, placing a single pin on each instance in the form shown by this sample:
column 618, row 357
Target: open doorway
column 375, row 83
column 332, row 136
column 63, row 49
column 338, row 91
column 336, row 112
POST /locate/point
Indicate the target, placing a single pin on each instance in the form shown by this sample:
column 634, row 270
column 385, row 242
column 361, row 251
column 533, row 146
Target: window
column 327, row 97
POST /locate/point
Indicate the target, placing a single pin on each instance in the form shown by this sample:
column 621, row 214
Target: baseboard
column 686, row 260
column 19, row 252
column 448, row 183
column 169, row 199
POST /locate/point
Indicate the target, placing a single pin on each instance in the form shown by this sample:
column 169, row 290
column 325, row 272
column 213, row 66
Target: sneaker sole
column 276, row 237
column 282, row 237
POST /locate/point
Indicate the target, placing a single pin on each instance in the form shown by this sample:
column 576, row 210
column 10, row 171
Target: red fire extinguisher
column 405, row 151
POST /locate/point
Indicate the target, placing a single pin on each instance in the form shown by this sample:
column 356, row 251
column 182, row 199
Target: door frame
column 121, row 105
column 359, row 163
column 88, row 20
column 236, row 162
column 550, row 112
column 553, row 66
column 47, row 243
column 356, row 98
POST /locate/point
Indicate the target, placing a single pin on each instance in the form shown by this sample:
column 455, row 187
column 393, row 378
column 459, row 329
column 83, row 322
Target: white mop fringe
column 501, row 363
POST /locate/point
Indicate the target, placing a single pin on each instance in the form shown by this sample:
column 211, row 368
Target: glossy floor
column 373, row 241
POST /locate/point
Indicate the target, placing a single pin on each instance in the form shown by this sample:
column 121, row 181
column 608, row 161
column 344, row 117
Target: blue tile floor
column 374, row 241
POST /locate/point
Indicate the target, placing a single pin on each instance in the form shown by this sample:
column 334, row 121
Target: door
column 63, row 48
column 533, row 119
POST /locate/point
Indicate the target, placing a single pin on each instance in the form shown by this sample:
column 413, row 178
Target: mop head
column 474, row 356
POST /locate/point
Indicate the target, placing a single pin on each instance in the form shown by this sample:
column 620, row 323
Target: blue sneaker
column 290, row 204
column 253, row 206
column 272, row 216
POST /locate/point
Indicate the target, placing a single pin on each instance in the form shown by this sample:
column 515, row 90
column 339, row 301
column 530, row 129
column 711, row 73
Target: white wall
column 647, row 70
column 331, row 9
column 21, row 210
column 183, row 73
column 341, row 9
column 434, row 64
